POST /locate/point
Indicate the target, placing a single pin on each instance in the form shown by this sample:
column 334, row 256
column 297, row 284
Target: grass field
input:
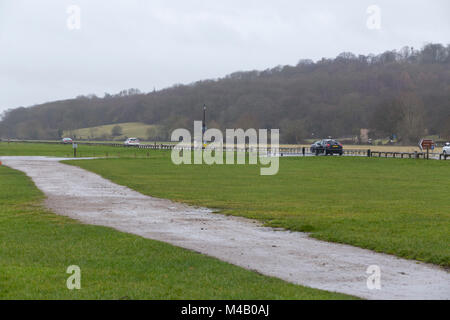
column 60, row 150
column 129, row 129
column 37, row 246
column 396, row 206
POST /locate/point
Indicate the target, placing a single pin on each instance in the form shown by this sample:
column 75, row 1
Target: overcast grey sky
column 145, row 44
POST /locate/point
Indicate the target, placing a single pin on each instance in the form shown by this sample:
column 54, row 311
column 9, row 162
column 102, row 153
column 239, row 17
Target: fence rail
column 281, row 151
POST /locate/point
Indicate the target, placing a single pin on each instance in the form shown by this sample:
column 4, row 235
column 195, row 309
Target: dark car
column 327, row 146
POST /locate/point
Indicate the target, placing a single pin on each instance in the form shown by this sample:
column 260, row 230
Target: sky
column 57, row 49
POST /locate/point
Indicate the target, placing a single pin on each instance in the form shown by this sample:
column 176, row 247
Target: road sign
column 74, row 145
column 426, row 144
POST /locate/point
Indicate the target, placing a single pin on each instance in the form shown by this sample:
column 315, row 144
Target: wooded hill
column 405, row 92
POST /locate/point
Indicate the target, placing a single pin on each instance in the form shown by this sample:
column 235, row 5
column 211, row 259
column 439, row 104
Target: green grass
column 396, row 206
column 129, row 129
column 61, row 150
column 37, row 246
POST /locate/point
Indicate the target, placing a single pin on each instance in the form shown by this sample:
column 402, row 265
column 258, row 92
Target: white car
column 446, row 149
column 132, row 142
column 67, row 141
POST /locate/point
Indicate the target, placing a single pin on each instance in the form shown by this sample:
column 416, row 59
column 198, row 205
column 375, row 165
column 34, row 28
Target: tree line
column 404, row 92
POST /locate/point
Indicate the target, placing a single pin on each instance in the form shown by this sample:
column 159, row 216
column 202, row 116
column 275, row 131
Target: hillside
column 105, row 132
column 405, row 92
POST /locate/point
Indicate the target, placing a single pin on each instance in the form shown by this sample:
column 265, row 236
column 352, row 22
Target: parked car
column 132, row 142
column 327, row 146
column 446, row 149
column 315, row 146
column 67, row 141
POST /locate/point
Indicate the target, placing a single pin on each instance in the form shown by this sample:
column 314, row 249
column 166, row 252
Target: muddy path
column 291, row 256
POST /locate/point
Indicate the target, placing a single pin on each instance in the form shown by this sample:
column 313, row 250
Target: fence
column 281, row 151
column 409, row 155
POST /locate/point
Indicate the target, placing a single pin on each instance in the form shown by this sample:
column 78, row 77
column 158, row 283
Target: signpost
column 427, row 144
column 74, row 146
